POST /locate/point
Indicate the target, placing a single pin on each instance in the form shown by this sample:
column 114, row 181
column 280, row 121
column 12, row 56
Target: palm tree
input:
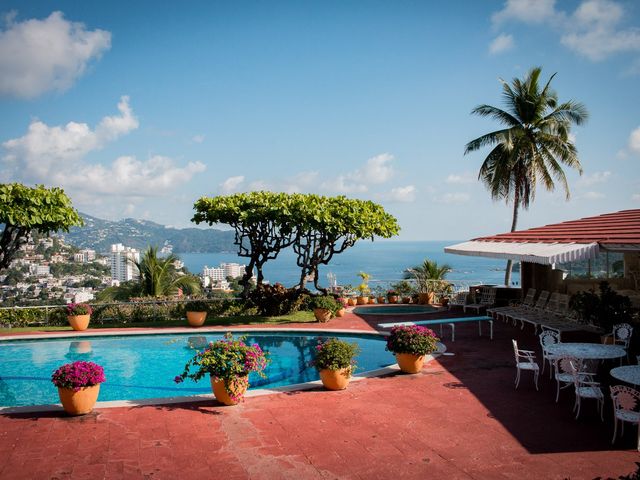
column 159, row 277
column 429, row 276
column 532, row 147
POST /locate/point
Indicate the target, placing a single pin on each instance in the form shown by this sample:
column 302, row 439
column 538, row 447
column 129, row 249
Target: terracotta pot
column 410, row 363
column 406, row 299
column 196, row 319
column 381, row 300
column 362, row 300
column 352, row 301
column 341, row 312
column 322, row 314
column 444, row 302
column 335, row 379
column 238, row 386
column 426, row 298
column 80, row 402
column 393, row 298
column 79, row 322
column 372, row 300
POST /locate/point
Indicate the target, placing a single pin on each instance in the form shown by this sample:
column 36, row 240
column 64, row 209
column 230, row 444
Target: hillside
column 100, row 234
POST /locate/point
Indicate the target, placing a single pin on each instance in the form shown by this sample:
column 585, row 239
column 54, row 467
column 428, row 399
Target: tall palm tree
column 429, row 276
column 532, row 147
column 159, row 277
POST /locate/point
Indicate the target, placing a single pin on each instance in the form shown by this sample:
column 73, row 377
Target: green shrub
column 335, row 354
column 275, row 300
column 326, row 302
column 412, row 339
column 196, row 306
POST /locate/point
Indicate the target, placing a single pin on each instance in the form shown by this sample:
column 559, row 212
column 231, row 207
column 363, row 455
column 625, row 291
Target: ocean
column 385, row 261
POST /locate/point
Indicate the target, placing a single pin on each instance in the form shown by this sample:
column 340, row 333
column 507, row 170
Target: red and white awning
column 534, row 252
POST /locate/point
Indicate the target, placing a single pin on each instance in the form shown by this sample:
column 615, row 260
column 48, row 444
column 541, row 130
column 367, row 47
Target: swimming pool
column 395, row 310
column 143, row 366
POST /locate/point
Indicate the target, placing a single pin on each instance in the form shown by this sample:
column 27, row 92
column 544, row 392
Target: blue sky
column 137, row 109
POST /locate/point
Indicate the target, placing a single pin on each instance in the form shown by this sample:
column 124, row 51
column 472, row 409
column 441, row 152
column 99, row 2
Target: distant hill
column 100, row 234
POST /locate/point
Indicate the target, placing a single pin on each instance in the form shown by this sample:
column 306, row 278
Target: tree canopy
column 532, row 147
column 25, row 209
column 317, row 227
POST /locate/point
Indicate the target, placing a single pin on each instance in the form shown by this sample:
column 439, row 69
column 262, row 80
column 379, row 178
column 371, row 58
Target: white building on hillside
column 122, row 267
column 84, row 256
column 225, row 270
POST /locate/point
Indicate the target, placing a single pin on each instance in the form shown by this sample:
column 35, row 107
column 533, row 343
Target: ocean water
column 385, row 261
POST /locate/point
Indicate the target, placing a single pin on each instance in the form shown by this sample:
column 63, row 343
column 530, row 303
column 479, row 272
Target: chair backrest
column 459, row 298
column 488, row 296
column 567, row 364
column 530, row 298
column 563, row 304
column 548, row 337
column 625, row 398
column 622, row 333
column 542, row 300
column 552, row 304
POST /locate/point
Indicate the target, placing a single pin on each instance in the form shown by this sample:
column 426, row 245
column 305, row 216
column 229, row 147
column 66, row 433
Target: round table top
column 592, row 351
column 628, row 373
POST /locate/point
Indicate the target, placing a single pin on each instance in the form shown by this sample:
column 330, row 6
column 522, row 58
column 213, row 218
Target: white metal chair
column 626, row 408
column 621, row 335
column 459, row 299
column 487, row 298
column 585, row 387
column 563, row 368
column 547, row 338
column 525, row 360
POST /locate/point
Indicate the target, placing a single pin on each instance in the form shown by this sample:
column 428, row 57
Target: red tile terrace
column 459, row 418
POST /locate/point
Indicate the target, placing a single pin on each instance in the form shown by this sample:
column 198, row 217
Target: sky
column 138, row 109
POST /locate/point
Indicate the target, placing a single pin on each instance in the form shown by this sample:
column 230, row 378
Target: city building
column 84, row 256
column 122, row 266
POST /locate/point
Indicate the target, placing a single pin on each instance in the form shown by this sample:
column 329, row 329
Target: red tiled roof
column 618, row 228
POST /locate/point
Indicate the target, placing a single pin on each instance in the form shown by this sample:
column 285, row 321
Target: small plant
column 325, row 302
column 403, row 288
column 392, row 293
column 604, row 309
column 78, row 375
column 226, row 360
column 363, row 288
column 412, row 339
column 335, row 354
column 78, row 309
column 344, row 303
column 196, row 306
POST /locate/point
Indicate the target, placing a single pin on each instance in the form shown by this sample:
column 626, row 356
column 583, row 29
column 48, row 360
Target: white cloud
column 502, row 43
column 377, row 170
column 259, row 185
column 462, row 179
column 453, row 198
column 593, row 196
column 402, row 194
column 231, row 184
column 43, row 150
column 343, row 184
column 635, row 197
column 594, row 178
column 198, row 138
column 527, row 11
column 634, row 141
column 37, row 56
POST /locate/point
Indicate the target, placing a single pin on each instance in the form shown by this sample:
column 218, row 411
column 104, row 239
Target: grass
column 296, row 317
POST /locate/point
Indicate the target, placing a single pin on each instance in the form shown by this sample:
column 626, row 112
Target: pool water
column 394, row 310
column 143, row 366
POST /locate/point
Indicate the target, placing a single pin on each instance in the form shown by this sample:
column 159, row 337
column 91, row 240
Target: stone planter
column 80, row 402
column 410, row 363
column 238, row 386
column 196, row 319
column 79, row 322
column 335, row 379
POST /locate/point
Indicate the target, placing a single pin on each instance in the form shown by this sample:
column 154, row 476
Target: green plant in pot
column 603, row 309
column 79, row 315
column 324, row 307
column 228, row 363
column 335, row 361
column 429, row 278
column 363, row 289
column 411, row 343
column 196, row 312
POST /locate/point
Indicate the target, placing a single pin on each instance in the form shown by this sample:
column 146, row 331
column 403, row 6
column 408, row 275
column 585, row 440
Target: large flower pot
column 196, row 319
column 351, row 301
column 362, row 300
column 341, row 312
column 80, row 402
column 425, row 298
column 392, row 298
column 335, row 379
column 410, row 363
column 79, row 322
column 237, row 386
column 322, row 314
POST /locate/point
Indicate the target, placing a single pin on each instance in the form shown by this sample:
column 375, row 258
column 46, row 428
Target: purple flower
column 177, row 379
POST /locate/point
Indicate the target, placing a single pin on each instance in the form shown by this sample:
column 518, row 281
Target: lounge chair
column 500, row 313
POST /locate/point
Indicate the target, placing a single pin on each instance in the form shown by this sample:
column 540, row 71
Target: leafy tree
column 327, row 226
column 533, row 145
column 262, row 222
column 25, row 209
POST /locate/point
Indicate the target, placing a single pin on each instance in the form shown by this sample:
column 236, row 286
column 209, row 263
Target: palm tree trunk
column 514, row 223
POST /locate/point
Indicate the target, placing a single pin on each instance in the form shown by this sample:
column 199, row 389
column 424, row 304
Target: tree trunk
column 248, row 273
column 315, row 281
column 514, row 223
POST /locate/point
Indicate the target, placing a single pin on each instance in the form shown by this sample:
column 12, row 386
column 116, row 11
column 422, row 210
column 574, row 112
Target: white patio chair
column 548, row 338
column 585, row 387
column 626, row 408
column 459, row 299
column 487, row 298
column 621, row 335
column 525, row 360
column 563, row 368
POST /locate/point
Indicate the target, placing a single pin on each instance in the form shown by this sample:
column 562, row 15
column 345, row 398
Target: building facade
column 122, row 267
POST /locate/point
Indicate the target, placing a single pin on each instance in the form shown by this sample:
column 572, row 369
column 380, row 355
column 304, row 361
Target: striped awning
column 534, row 252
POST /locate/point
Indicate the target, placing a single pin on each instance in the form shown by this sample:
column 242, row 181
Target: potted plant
column 404, row 290
column 429, row 278
column 343, row 303
column 380, row 295
column 392, row 296
column 78, row 315
column 349, row 293
column 196, row 312
column 363, row 289
column 228, row 363
column 335, row 362
column 410, row 344
column 325, row 307
column 604, row 309
column 78, row 386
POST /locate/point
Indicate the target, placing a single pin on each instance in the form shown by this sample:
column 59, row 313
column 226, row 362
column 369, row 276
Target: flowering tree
column 25, row 209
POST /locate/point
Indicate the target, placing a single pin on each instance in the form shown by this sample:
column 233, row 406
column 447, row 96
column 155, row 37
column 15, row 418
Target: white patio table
column 628, row 373
column 587, row 351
